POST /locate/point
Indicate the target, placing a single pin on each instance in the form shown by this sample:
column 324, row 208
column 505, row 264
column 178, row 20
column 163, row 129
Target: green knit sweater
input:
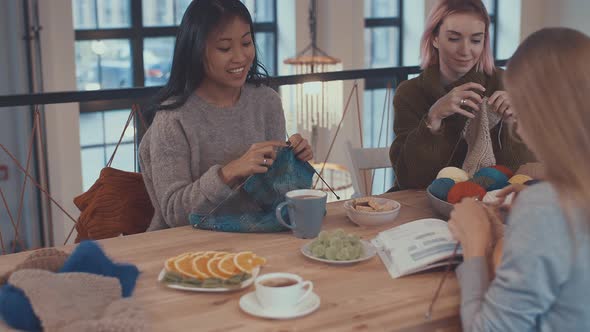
column 417, row 155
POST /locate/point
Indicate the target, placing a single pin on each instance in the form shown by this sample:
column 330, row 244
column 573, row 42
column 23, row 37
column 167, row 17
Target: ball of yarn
column 492, row 197
column 484, row 181
column 440, row 187
column 531, row 182
column 465, row 189
column 500, row 179
column 519, row 179
column 454, row 173
column 507, row 171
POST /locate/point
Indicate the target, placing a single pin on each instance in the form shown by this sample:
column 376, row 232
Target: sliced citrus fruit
column 184, row 265
column 214, row 270
column 227, row 266
column 221, row 254
column 199, row 264
column 169, row 264
column 246, row 261
column 258, row 261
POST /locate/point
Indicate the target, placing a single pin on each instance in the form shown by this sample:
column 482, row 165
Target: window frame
column 136, row 33
column 387, row 22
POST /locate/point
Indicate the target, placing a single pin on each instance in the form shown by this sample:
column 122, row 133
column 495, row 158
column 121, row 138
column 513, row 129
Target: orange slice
column 184, row 265
column 227, row 266
column 246, row 261
column 221, row 254
column 199, row 264
column 169, row 264
column 214, row 270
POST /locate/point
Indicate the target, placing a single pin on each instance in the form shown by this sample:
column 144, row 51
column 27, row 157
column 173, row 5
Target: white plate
column 249, row 304
column 243, row 285
column 368, row 253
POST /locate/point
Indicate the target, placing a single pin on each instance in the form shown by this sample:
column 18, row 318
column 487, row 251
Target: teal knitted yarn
column 485, row 181
column 439, row 188
column 500, row 179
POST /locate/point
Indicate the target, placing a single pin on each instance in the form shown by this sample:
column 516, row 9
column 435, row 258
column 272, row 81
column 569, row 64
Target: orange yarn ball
column 507, row 171
column 465, row 189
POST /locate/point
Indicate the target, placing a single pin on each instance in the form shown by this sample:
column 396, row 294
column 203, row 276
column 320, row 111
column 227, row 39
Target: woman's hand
column 501, row 104
column 503, row 194
column 257, row 159
column 452, row 102
column 301, row 147
column 470, row 225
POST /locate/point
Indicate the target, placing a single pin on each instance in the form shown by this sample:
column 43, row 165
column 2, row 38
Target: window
column 130, row 43
column 383, row 48
column 492, row 7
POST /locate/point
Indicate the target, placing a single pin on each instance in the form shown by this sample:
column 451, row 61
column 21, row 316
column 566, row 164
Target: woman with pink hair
column 432, row 110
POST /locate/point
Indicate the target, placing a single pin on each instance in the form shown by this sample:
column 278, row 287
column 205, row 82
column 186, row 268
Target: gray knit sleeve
column 176, row 192
column 275, row 116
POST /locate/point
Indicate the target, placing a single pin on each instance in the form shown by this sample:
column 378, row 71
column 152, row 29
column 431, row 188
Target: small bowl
column 366, row 218
column 441, row 207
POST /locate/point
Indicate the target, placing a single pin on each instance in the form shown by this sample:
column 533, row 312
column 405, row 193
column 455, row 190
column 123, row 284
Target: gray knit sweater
column 183, row 150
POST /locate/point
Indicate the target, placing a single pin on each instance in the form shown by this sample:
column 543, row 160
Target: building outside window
column 130, row 43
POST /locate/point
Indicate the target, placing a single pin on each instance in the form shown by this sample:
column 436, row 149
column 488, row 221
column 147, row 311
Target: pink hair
column 444, row 8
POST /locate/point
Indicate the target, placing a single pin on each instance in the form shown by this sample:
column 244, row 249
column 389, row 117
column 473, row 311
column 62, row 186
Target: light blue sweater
column 543, row 282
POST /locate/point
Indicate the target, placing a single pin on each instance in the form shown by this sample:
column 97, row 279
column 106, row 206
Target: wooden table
column 361, row 297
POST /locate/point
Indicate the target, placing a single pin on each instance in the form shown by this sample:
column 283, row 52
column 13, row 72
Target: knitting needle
column 428, row 313
column 318, row 174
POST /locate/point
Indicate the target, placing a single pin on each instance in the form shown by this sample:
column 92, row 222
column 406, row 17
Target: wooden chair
column 364, row 162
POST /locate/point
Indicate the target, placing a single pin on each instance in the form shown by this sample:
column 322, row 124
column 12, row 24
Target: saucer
column 249, row 304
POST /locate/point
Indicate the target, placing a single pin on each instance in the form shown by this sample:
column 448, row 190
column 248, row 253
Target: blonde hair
column 548, row 81
column 440, row 11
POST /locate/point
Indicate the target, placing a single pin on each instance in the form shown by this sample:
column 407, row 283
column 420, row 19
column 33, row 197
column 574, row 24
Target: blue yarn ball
column 484, row 181
column 440, row 188
column 500, row 179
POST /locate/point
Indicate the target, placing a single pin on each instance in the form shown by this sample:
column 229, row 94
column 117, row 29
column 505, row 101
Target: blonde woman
column 543, row 281
column 431, row 110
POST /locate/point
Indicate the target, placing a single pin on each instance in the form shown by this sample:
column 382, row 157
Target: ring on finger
column 462, row 102
column 264, row 162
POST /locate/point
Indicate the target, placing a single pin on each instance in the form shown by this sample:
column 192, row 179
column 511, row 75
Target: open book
column 416, row 246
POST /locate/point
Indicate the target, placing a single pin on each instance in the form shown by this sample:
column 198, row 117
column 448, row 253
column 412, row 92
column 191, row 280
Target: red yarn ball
column 465, row 189
column 507, row 171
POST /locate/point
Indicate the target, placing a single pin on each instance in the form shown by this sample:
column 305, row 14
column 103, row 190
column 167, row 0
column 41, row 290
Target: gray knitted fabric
column 480, row 151
column 78, row 301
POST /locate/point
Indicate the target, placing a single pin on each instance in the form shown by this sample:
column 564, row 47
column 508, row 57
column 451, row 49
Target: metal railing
column 89, row 100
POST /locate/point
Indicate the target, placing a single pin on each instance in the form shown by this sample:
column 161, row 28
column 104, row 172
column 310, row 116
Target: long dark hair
column 188, row 70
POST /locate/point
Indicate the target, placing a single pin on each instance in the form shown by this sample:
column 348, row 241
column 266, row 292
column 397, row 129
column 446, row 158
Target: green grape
column 336, row 243
column 331, row 253
column 353, row 239
column 314, row 244
column 323, row 236
column 319, row 251
column 343, row 254
column 339, row 233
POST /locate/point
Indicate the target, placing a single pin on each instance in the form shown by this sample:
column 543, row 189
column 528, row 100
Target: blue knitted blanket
column 267, row 190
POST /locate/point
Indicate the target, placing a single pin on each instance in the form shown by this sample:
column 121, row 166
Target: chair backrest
column 364, row 162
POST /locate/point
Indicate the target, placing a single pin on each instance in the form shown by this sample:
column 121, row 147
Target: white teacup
column 281, row 291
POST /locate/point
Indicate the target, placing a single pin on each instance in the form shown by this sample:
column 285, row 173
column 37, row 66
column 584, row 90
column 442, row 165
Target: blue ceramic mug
column 306, row 209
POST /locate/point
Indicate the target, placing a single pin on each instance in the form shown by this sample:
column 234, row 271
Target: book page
column 414, row 246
